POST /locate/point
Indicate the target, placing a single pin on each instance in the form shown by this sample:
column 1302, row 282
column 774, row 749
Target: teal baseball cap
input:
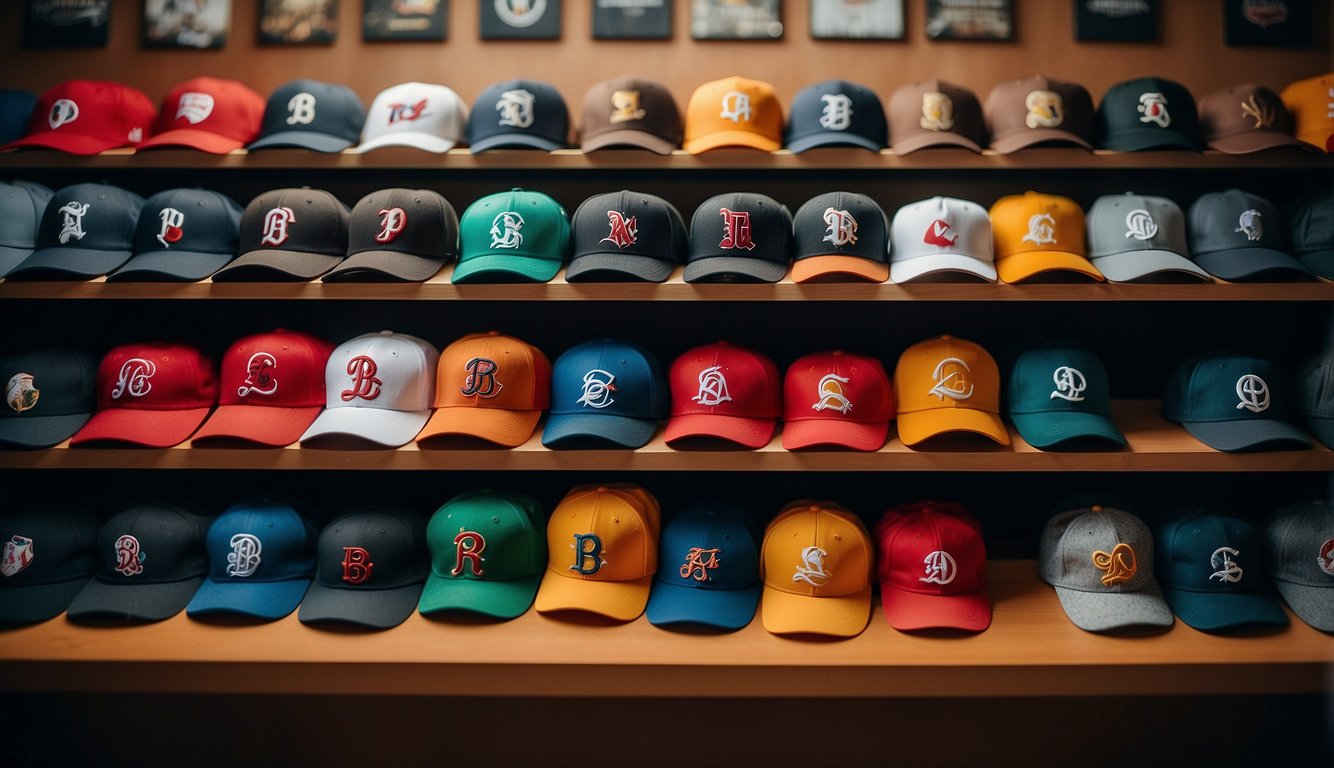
column 1233, row 403
column 1059, row 393
column 1211, row 569
column 515, row 236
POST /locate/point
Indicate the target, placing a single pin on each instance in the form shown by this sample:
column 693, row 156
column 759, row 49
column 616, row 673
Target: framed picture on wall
column 736, row 19
column 404, row 20
column 1132, row 22
column 66, row 23
column 186, row 23
column 298, row 22
column 1271, row 22
column 970, row 19
column 636, row 20
column 857, row 19
column 520, row 19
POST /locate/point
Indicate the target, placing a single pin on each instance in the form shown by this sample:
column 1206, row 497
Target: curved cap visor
column 205, row 141
column 911, row 269
column 152, row 429
column 262, row 424
column 1044, row 430
column 1022, row 266
column 625, row 431
column 11, row 257
column 41, row 431
column 670, row 604
column 1027, row 138
column 784, row 613
column 376, row 266
column 742, row 430
column 1149, row 138
column 812, row 267
column 36, row 603
column 861, row 436
column 374, row 608
column 720, row 139
column 587, row 266
column 514, row 141
column 66, row 263
column 319, row 142
column 1254, row 141
column 1319, row 262
column 497, row 425
column 912, row 610
column 832, row 140
column 427, row 142
column 638, row 139
column 1248, row 434
column 620, row 600
column 171, row 265
column 271, row 264
column 378, row 425
column 1311, row 604
column 1214, row 611
column 73, row 143
column 921, row 425
column 507, row 599
column 1321, row 427
column 1101, row 611
column 1133, row 265
column 933, row 139
column 133, row 602
column 1242, row 263
column 476, row 270
column 270, row 600
column 762, row 270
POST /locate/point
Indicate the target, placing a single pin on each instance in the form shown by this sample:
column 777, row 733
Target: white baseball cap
column 417, row 115
column 378, row 388
column 942, row 234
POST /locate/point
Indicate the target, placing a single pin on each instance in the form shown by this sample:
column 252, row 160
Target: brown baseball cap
column 935, row 113
column 1034, row 110
column 631, row 112
column 1245, row 118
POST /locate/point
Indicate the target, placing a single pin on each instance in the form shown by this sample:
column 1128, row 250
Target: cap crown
column 839, row 386
column 488, row 370
column 1308, row 102
column 487, row 535
column 92, row 216
column 221, row 106
column 1096, row 550
column 741, row 225
column 631, row 224
column 151, row 544
column 1036, row 223
column 1299, row 540
column 258, row 541
column 1124, row 223
column 734, row 111
column 386, row 370
column 609, row 377
column 1241, row 110
column 710, row 546
column 931, row 548
column 415, row 108
column 110, row 114
column 1315, row 382
column 940, row 225
column 156, row 377
column 1310, row 223
column 1231, row 219
column 836, row 113
column 1210, row 553
column 302, row 220
column 517, row 224
column 190, row 221
column 1148, row 112
column 1023, row 112
column 630, row 104
column 519, row 113
column 313, row 107
column 725, row 380
column 16, row 107
column 47, row 382
column 604, row 533
column 841, row 224
column 1060, row 378
column 1226, row 388
column 934, row 112
column 946, row 373
column 22, row 204
column 380, row 548
column 284, row 369
column 46, row 544
column 816, row 549
column 413, row 221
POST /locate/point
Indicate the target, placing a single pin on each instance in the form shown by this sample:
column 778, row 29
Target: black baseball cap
column 16, row 107
column 47, row 556
column 372, row 567
column 183, row 234
column 310, row 114
column 21, row 206
column 48, row 396
column 1148, row 113
column 519, row 114
column 87, row 230
column 741, row 237
column 1235, row 235
column 836, row 113
column 398, row 234
column 842, row 235
column 289, row 234
column 1310, row 230
column 619, row 236
column 631, row 112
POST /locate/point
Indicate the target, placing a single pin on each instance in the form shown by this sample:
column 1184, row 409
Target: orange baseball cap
column 1036, row 233
column 491, row 387
column 602, row 542
column 734, row 112
column 1308, row 101
column 816, row 565
column 948, row 385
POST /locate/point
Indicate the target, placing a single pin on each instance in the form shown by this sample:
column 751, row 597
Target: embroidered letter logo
column 1325, row 558
column 951, row 377
column 481, row 379
column 245, row 555
column 736, row 107
column 275, row 226
column 837, row 112
column 63, row 112
column 407, row 112
column 20, row 394
column 392, row 223
column 1070, row 384
column 170, row 232
column 811, row 568
column 362, row 369
column 841, row 227
column 505, row 230
column 259, row 379
column 1045, row 109
column 516, row 108
column 357, row 565
column 71, row 224
column 699, row 562
column 1225, row 568
column 1153, row 109
column 1253, row 393
column 625, row 107
column 129, row 560
column 301, row 109
column 935, row 234
column 712, row 387
column 736, row 230
column 1250, row 225
column 1041, row 230
column 598, row 388
column 468, row 548
column 830, row 392
column 18, row 555
column 1140, row 225
column 194, row 107
column 623, row 231
column 587, row 554
column 1117, row 567
column 940, row 568
column 1263, row 113
column 937, row 112
column 134, row 378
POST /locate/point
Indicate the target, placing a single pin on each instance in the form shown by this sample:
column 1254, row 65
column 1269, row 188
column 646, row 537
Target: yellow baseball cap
column 1308, row 102
column 948, row 385
column 816, row 566
column 734, row 112
column 1036, row 233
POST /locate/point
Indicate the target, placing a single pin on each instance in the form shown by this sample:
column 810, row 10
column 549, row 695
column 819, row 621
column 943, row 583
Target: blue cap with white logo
column 1212, row 572
column 605, row 391
column 309, row 114
column 1233, row 403
column 261, row 561
column 709, row 569
column 519, row 114
column 836, row 113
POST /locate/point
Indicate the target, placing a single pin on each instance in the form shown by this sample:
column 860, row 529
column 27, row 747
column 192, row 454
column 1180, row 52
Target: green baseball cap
column 1211, row 569
column 1232, row 403
column 1059, row 393
column 515, row 236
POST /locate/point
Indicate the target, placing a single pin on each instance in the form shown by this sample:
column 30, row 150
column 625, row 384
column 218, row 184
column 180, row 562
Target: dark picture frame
column 520, row 19
column 970, row 20
column 389, row 20
column 731, row 20
column 188, row 24
column 278, row 26
column 54, row 24
column 645, row 20
column 857, row 19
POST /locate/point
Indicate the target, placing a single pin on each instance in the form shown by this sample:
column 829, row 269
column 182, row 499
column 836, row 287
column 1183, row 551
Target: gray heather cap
column 1133, row 236
column 1300, row 540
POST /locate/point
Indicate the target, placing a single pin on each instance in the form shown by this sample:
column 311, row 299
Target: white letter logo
column 940, row 568
column 244, row 558
column 1140, row 225
column 712, row 387
column 135, row 378
column 171, row 231
column 71, row 225
column 275, row 226
column 63, row 112
column 516, row 108
column 1070, row 384
column 811, row 568
column 736, row 107
column 1154, row 109
column 1045, row 109
column 1225, row 569
column 953, row 385
column 505, row 230
column 598, row 388
column 837, row 114
column 302, row 109
column 1253, row 393
column 1041, row 230
column 831, row 395
column 194, row 107
column 842, row 228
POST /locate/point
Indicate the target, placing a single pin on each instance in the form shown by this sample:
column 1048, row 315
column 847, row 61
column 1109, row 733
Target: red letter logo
column 935, row 234
column 356, row 565
column 364, row 384
column 468, row 548
column 736, row 230
column 392, row 222
column 623, row 231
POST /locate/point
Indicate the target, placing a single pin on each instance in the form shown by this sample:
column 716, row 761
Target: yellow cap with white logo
column 816, row 566
column 948, row 385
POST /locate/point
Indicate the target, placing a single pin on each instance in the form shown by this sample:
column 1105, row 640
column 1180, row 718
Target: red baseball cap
column 209, row 114
column 933, row 567
column 154, row 395
column 272, row 388
column 84, row 117
column 725, row 391
column 836, row 398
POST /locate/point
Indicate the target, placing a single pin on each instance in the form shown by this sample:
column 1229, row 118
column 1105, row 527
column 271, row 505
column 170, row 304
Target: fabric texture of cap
column 836, row 399
column 1236, row 235
column 631, row 112
column 734, row 112
column 1299, row 542
column 1315, row 396
column 1309, row 221
column 272, row 389
column 372, row 564
column 1244, row 119
column 709, row 572
column 836, row 113
column 422, row 116
column 1131, row 237
column 739, row 237
column 398, row 234
column 378, row 389
column 183, row 235
column 1037, row 110
column 940, row 235
column 488, row 553
column 515, row 236
column 935, row 113
column 85, row 117
column 1060, row 393
column 47, row 555
column 1233, row 403
column 816, row 562
column 210, row 114
column 606, row 391
column 1100, row 560
column 491, row 387
column 153, row 395
column 603, row 545
column 49, row 396
column 1307, row 101
column 947, row 385
column 519, row 114
column 22, row 204
column 840, row 235
column 289, row 235
column 86, row 230
column 16, row 107
column 1211, row 570
column 309, row 114
column 932, row 567
column 1038, row 235
column 1148, row 113
column 261, row 559
column 726, row 392
column 151, row 561
column 625, row 236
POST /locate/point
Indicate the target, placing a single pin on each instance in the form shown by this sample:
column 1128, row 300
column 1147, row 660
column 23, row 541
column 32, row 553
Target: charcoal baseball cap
column 309, row 114
column 418, row 115
column 1211, row 569
column 1059, row 393
column 1233, row 403
column 22, row 204
column 398, row 234
column 623, row 236
column 515, row 236
column 1037, row 110
column 47, row 555
column 1236, row 235
column 183, row 234
column 1310, row 231
column 1131, row 237
column 261, row 558
column 1148, row 113
column 519, row 114
column 372, row 564
column 608, row 391
column 741, row 237
column 87, row 230
column 1245, row 118
column 709, row 568
column 1315, row 396
column 16, row 107
column 1299, row 540
column 836, row 113
column 935, row 113
column 631, row 112
column 48, row 396
column 841, row 235
column 289, row 235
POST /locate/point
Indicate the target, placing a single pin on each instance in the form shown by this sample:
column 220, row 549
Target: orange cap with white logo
column 734, row 112
column 816, row 566
column 1309, row 102
column 948, row 385
column 1036, row 233
column 491, row 387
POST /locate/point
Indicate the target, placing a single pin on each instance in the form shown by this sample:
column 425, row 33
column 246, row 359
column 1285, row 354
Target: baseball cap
column 836, row 113
column 816, row 563
column 724, row 391
column 947, row 385
column 378, row 389
column 733, row 112
column 1135, row 236
column 1236, row 235
column 272, row 388
column 710, row 569
column 1315, row 396
column 85, row 117
column 935, row 113
column 491, row 387
column 942, row 234
column 932, row 567
column 1245, row 118
column 836, row 398
column 182, row 234
column 625, row 235
column 1036, row 110
column 519, row 114
column 16, row 107
column 22, row 204
column 1100, row 560
column 417, row 115
column 603, row 545
column 1148, row 113
column 631, row 112
column 1232, row 403
column 1037, row 234
column 608, row 391
column 372, row 564
column 86, row 230
column 1059, row 393
column 741, row 237
column 153, row 394
column 261, row 558
column 515, row 236
column 210, row 114
column 289, row 235
column 48, row 396
column 151, row 561
column 47, row 556
column 398, row 234
column 309, row 114
column 1210, row 568
column 1299, row 540
column 840, row 235
column 1307, row 101
column 488, row 552
column 1310, row 231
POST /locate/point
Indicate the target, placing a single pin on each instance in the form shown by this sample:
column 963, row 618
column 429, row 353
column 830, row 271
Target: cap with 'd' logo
column 1147, row 113
column 22, row 204
column 371, row 567
column 739, row 236
column 1245, row 118
column 491, row 387
column 1059, row 393
column 933, row 567
column 940, row 235
column 734, row 112
column 86, row 230
column 378, row 388
column 261, row 559
column 48, row 396
column 1038, row 110
column 816, row 563
column 626, row 236
column 1038, row 234
column 935, row 113
column 708, row 569
column 1211, row 569
column 631, row 112
column 1308, row 102
column 183, row 234
column 47, row 555
column 519, row 114
column 289, row 234
column 417, row 115
column 1299, row 540
column 309, row 114
column 85, row 117
column 840, row 235
column 605, row 391
column 947, row 385
column 1236, row 235
column 836, row 113
column 154, row 395
column 211, row 114
column 836, row 398
column 726, row 392
column 515, row 236
column 1232, row 403
column 1131, row 237
column 398, row 234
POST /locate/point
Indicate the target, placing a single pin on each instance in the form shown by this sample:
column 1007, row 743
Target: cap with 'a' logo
column 515, row 236
column 48, row 396
column 398, row 234
column 1059, row 393
column 709, row 569
column 16, row 107
column 1308, row 102
column 210, row 114
column 1212, row 573
column 85, row 117
column 1236, row 235
column 932, row 567
column 739, row 237
column 631, row 112
column 309, row 114
column 947, row 385
column 1233, row 403
column 624, row 236
column 605, row 391
column 183, row 234
column 1315, row 396
column 289, row 235
column 519, row 114
column 491, row 387
column 840, row 235
column 602, row 544
column 1310, row 230
column 816, row 563
column 836, row 398
column 154, row 395
column 940, row 235
column 417, row 115
column 22, row 204
column 1245, row 118
column 1038, row 110
column 1038, row 235
column 734, row 112
column 726, row 392
column 261, row 559
column 378, row 389
column 47, row 554
column 371, row 565
column 934, row 113
column 1131, row 237
column 86, row 230
column 1148, row 113
column 836, row 113
column 1299, row 542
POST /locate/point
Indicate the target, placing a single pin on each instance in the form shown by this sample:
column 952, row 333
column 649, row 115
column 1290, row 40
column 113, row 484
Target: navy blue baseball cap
column 1235, row 235
column 605, row 390
column 87, row 230
column 625, row 236
column 48, row 396
column 310, row 114
column 15, row 109
column 708, row 569
column 47, row 555
column 1212, row 571
column 372, row 565
column 1233, row 403
column 836, row 113
column 519, row 114
column 21, row 206
column 261, row 560
column 183, row 234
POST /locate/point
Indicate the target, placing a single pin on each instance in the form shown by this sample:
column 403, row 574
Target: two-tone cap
column 836, row 113
column 932, row 567
column 1147, row 113
column 816, row 562
column 492, row 387
column 49, row 395
column 739, row 236
column 1038, row 110
column 261, row 557
column 630, row 112
column 709, row 569
column 1236, row 235
column 606, row 391
column 1245, row 118
column 515, row 236
column 734, row 112
column 289, row 235
column 86, row 230
column 22, row 204
column 154, row 395
column 47, row 555
column 944, row 385
column 16, row 107
column 1309, row 221
column 1308, row 101
column 1131, row 237
column 1039, row 235
column 378, row 389
column 310, row 114
column 840, row 235
column 1212, row 573
column 488, row 553
column 85, row 117
column 211, row 114
column 935, row 113
column 941, row 235
column 370, row 568
column 1299, row 542
column 836, row 398
column 724, row 391
column 1315, row 396
column 519, row 114
column 621, row 236
column 183, row 234
column 417, row 115
column 1233, row 403
column 398, row 234
column 1059, row 393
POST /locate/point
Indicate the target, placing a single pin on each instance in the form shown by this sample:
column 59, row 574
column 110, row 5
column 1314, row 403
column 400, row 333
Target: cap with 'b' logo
column 836, row 113
column 935, row 113
column 310, row 114
column 933, row 567
column 1136, row 236
column 491, row 387
column 261, row 560
column 626, row 236
column 154, row 395
column 726, row 392
column 739, row 237
column 210, row 114
column 371, row 565
column 1312, row 118
column 86, row 230
column 183, row 234
column 1233, row 403
column 515, row 236
column 948, row 385
column 378, row 388
column 605, row 391
column 398, row 234
column 49, row 395
column 85, row 117
column 1059, row 393
column 417, row 115
column 631, row 112
column 816, row 563
column 1299, row 542
column 709, row 569
column 840, row 235
column 1147, row 113
column 734, row 112
column 1038, row 234
column 1038, row 110
column 1236, row 235
column 1212, row 574
column 289, row 234
column 941, row 235
column 47, row 554
column 519, row 114
column 836, row 398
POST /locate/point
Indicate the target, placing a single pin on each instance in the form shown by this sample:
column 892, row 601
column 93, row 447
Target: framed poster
column 1130, row 21
column 736, row 19
column 857, row 19
column 404, row 20
column 969, row 19
column 186, row 23
column 298, row 22
column 66, row 23
column 520, row 19
column 632, row 19
column 1267, row 22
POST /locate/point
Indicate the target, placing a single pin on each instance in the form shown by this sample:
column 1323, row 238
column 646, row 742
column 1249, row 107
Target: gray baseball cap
column 1134, row 236
column 1236, row 235
column 1315, row 396
column 1300, row 540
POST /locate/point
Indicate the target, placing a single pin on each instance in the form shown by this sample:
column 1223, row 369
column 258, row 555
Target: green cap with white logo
column 1233, row 403
column 512, row 237
column 1059, row 394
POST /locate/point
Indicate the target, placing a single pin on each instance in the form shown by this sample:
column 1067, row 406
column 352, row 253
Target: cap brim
column 620, row 600
column 797, row 146
column 587, row 266
column 267, row 265
column 318, row 142
column 720, row 139
column 373, row 608
column 936, row 263
column 1313, row 605
column 670, row 604
column 496, row 425
column 1253, row 141
column 205, row 141
column 812, row 267
column 1027, row 138
column 745, row 431
column 1319, row 262
column 11, row 257
column 72, row 143
column 1133, row 265
column 1022, row 266
column 1248, row 434
column 263, row 424
column 36, row 603
column 1103, row 611
column 66, row 263
column 427, row 142
column 625, row 431
column 1045, row 430
column 933, row 139
column 376, row 266
column 638, row 139
column 41, row 431
column 514, row 141
column 479, row 269
column 270, row 600
column 1321, row 427
column 1211, row 611
column 151, row 429
column 1241, row 263
column 391, row 429
column 728, row 267
column 808, row 433
column 507, row 599
column 921, row 425
column 911, row 610
column 133, row 602
column 784, row 613
column 1136, row 139
column 170, row 265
